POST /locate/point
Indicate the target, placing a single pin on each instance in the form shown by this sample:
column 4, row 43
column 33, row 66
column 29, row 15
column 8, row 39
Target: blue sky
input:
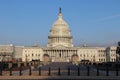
column 92, row 22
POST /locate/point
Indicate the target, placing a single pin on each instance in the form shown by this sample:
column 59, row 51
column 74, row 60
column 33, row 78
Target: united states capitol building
column 60, row 48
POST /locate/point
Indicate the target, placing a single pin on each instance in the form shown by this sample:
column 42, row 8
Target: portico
column 60, row 54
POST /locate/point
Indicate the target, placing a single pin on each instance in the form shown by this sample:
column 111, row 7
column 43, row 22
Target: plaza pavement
column 64, row 73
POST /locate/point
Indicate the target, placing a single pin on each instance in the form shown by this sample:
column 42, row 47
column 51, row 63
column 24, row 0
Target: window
column 32, row 55
column 114, row 59
column 99, row 55
column 99, row 60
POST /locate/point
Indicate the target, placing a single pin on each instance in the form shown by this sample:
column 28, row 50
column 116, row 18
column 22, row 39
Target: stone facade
column 6, row 52
column 32, row 53
column 111, row 54
column 18, row 50
column 10, row 52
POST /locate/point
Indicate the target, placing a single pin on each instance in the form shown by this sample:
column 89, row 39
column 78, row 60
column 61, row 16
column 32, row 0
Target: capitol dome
column 60, row 33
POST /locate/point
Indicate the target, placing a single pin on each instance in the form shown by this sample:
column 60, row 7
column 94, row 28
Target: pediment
column 60, row 47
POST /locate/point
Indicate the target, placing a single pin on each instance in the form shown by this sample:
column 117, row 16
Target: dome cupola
column 60, row 33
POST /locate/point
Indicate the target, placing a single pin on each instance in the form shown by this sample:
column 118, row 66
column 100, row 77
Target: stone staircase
column 60, row 60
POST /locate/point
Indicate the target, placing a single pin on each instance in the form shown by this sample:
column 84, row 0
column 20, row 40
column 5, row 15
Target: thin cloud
column 106, row 18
